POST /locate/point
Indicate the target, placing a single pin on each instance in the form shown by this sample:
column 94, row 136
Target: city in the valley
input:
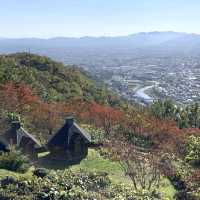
column 144, row 80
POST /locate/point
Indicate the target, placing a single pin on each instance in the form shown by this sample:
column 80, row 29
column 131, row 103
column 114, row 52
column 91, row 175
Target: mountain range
column 139, row 44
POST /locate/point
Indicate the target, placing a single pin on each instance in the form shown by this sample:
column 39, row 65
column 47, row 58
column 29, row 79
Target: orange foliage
column 47, row 116
column 103, row 116
column 165, row 134
column 16, row 97
column 78, row 109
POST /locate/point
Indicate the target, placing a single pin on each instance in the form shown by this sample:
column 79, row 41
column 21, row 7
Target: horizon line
column 95, row 36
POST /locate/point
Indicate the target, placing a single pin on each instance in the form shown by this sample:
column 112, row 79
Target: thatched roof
column 76, row 128
column 61, row 138
column 23, row 133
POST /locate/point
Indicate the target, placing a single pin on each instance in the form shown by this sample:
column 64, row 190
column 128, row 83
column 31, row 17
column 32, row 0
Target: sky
column 77, row 18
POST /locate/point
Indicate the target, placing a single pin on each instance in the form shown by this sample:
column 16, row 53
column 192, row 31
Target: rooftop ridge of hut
column 70, row 142
column 70, row 123
column 21, row 132
column 85, row 134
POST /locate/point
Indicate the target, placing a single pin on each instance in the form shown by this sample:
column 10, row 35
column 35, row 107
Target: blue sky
column 76, row 18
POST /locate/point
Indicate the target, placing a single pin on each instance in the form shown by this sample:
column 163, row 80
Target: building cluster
column 174, row 78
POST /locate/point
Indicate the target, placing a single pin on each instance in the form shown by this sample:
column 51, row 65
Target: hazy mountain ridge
column 77, row 50
column 138, row 39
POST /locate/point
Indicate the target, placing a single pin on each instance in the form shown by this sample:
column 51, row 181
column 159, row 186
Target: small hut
column 70, row 142
column 27, row 143
column 16, row 135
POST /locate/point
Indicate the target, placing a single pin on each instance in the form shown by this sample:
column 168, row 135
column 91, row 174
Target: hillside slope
column 51, row 80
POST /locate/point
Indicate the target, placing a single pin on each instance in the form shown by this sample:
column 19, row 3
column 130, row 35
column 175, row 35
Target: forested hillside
column 51, row 80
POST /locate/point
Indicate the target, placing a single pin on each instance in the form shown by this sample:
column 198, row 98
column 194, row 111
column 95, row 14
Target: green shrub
column 193, row 149
column 181, row 195
column 12, row 116
column 97, row 134
column 40, row 172
column 7, row 181
column 14, row 160
column 93, row 180
column 65, row 185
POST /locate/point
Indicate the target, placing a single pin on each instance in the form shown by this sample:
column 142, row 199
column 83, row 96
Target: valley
column 143, row 80
column 167, row 61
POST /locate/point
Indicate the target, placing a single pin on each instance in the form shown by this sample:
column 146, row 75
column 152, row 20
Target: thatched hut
column 70, row 142
column 19, row 137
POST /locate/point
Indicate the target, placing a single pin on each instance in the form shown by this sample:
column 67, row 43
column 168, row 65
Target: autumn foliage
column 104, row 117
column 17, row 97
column 46, row 117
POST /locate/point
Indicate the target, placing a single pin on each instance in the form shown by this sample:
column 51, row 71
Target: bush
column 40, row 172
column 178, row 183
column 12, row 116
column 184, row 195
column 66, row 185
column 7, row 181
column 193, row 149
column 97, row 134
column 14, row 161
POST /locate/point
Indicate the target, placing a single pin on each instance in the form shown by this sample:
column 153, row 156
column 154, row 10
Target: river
column 140, row 93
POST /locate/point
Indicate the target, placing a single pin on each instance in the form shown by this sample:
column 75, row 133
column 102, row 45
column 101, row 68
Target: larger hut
column 19, row 137
column 70, row 142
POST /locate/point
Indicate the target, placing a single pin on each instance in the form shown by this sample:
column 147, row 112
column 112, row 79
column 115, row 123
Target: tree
column 48, row 116
column 142, row 168
column 163, row 109
column 193, row 149
column 194, row 115
column 104, row 117
column 17, row 97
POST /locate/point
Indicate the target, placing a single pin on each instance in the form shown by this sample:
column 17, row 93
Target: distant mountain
column 134, row 40
column 78, row 50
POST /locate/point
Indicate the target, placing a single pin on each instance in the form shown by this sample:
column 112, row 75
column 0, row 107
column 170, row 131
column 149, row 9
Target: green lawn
column 95, row 162
column 167, row 189
column 4, row 173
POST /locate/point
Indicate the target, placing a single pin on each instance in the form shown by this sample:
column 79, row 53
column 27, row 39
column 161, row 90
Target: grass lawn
column 4, row 173
column 94, row 162
column 167, row 189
